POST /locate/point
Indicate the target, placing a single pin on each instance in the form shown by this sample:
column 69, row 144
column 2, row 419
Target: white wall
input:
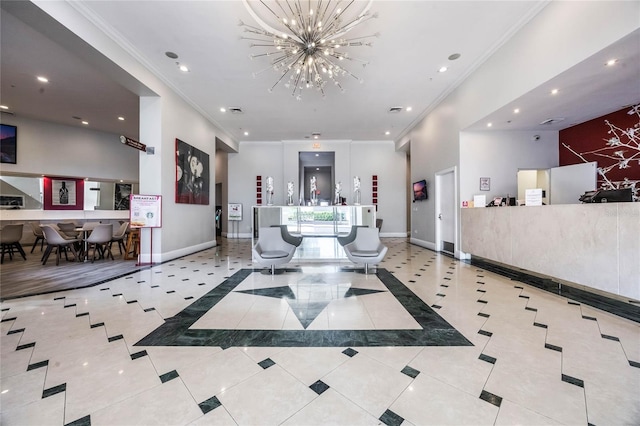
column 560, row 36
column 57, row 150
column 280, row 161
column 499, row 155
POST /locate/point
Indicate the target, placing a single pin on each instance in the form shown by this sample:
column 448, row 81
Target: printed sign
column 145, row 211
column 235, row 211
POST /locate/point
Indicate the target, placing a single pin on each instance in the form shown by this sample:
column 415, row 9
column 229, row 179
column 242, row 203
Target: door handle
column 440, row 216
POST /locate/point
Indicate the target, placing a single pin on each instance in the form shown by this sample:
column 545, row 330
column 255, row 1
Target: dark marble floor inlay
column 606, row 336
column 485, row 333
column 390, row 418
column 487, row 358
column 114, row 338
column 634, row 364
column 530, row 309
column 572, row 380
column 319, row 387
column 137, row 355
column 54, row 390
column 537, row 324
column 436, row 306
column 266, row 363
column 491, row 398
column 17, row 330
column 164, row 378
column 25, row 346
column 411, row 372
column 589, row 318
column 8, row 319
column 82, row 421
column 100, row 324
column 482, row 314
column 435, row 331
column 553, row 347
column 350, row 352
column 37, row 365
column 210, row 404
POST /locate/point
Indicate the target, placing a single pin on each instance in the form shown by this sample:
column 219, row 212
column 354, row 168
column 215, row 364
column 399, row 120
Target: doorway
column 446, row 224
column 322, row 166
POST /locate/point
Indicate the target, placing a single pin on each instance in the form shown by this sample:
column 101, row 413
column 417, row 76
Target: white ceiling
column 416, row 38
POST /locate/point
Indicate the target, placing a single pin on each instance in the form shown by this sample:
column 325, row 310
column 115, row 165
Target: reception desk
column 592, row 245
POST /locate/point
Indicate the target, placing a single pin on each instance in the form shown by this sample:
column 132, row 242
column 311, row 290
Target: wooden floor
column 20, row 277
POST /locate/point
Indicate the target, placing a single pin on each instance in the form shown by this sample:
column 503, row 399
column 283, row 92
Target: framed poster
column 485, row 184
column 192, row 174
column 235, row 211
column 146, row 211
column 8, row 143
column 63, row 193
column 121, row 196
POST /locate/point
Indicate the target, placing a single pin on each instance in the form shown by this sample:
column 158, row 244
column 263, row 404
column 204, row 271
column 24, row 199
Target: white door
column 446, row 210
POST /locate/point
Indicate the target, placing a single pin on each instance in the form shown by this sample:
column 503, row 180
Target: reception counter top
column 593, row 245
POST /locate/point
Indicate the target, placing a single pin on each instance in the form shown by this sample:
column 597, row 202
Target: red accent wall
column 593, row 135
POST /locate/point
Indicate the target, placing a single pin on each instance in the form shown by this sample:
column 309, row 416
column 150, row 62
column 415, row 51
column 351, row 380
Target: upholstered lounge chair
column 296, row 240
column 366, row 249
column 346, row 239
column 271, row 249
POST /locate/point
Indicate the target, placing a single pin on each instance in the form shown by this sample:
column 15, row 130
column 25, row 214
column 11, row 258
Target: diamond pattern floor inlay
column 207, row 339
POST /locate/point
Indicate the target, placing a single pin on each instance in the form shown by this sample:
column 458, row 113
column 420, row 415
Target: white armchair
column 271, row 249
column 366, row 249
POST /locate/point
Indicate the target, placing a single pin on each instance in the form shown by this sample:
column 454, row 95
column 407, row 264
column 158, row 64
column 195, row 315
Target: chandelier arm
column 295, row 87
column 280, row 79
column 257, row 18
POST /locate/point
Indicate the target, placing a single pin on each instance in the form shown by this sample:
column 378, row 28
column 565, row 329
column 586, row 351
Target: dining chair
column 37, row 232
column 68, row 229
column 60, row 243
column 10, row 236
column 118, row 236
column 100, row 238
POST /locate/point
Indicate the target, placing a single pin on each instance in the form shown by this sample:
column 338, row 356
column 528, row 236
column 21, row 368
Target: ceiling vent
column 551, row 121
column 395, row 110
column 235, row 110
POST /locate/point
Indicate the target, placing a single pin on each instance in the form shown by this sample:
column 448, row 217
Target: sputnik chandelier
column 307, row 44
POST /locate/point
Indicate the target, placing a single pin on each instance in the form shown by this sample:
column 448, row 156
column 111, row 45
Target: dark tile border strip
column 54, row 390
column 37, row 365
column 572, row 380
column 613, row 306
column 390, row 418
column 491, row 398
column 164, row 378
column 435, row 331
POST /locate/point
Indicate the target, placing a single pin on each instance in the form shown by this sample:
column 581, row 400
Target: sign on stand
column 145, row 211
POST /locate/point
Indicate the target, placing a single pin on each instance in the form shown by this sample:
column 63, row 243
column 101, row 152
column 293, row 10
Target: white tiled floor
column 84, row 343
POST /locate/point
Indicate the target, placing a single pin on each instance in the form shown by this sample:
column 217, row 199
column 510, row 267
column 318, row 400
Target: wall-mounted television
column 420, row 190
column 8, row 143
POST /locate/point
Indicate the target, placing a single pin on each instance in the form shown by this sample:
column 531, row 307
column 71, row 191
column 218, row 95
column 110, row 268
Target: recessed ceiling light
column 121, row 181
column 554, row 92
column 516, row 111
column 4, row 107
column 442, row 69
column 121, row 118
column 611, row 62
column 183, row 68
column 85, row 122
column 387, row 133
column 246, row 133
column 409, row 109
column 317, row 168
column 317, row 155
column 43, row 79
column 223, row 110
column 489, row 124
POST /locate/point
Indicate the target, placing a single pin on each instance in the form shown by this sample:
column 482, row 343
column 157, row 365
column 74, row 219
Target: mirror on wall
column 27, row 193
column 320, row 165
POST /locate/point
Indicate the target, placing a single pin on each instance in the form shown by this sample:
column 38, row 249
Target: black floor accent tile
column 572, row 380
column 634, row 364
column 266, row 363
column 37, row 365
column 104, row 289
column 485, row 333
column 138, row 355
column 84, row 314
column 319, row 387
column 114, row 338
column 482, row 314
column 8, row 319
column 350, row 352
column 489, row 359
column 575, row 295
column 606, row 336
column 117, row 294
column 482, row 301
column 491, row 398
column 444, row 285
column 530, row 309
column 537, row 324
column 17, row 330
column 589, row 318
column 210, row 404
column 188, row 298
column 176, row 330
column 523, row 296
column 150, row 309
column 447, row 278
column 436, row 306
column 131, row 301
column 412, row 281
column 171, row 291
column 202, row 284
column 481, row 290
column 25, row 346
column 100, row 324
column 480, row 282
column 59, row 298
column 517, row 286
column 155, row 286
column 411, row 372
column 553, row 347
column 83, row 421
column 54, row 390
column 390, row 418
column 441, row 295
column 164, row 378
